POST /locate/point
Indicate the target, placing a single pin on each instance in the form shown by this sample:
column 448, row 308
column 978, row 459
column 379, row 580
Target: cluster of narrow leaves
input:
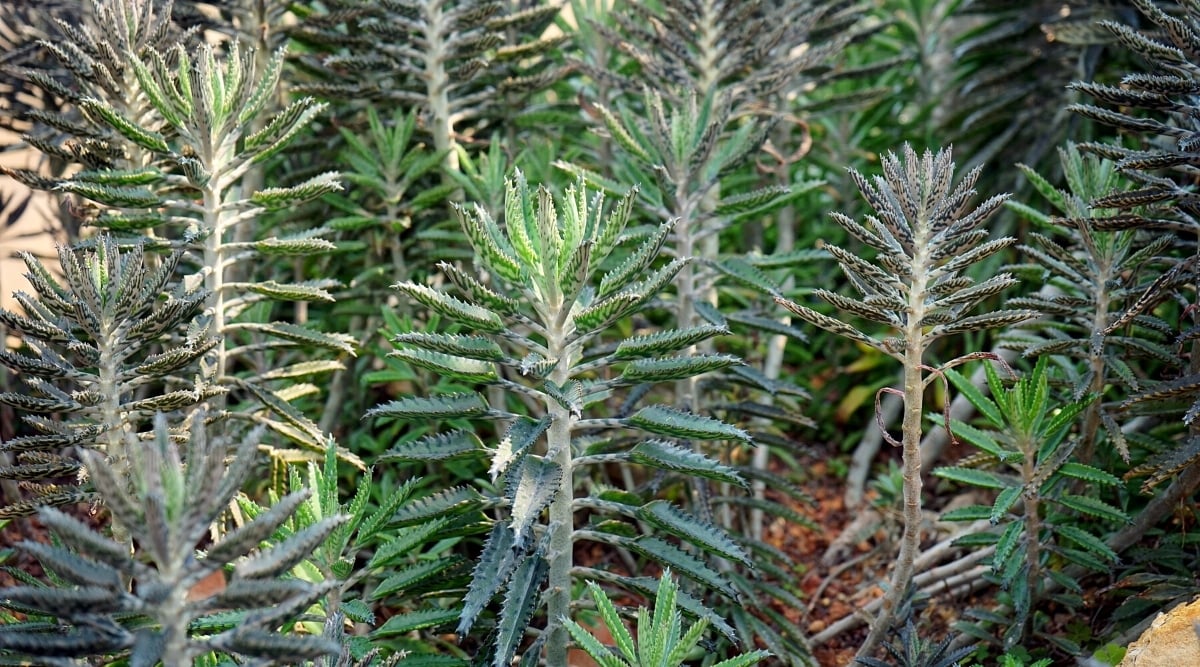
column 93, row 355
column 87, row 59
column 103, row 601
column 1050, row 509
column 913, row 651
column 1011, row 68
column 463, row 65
column 1092, row 269
column 185, row 124
column 391, row 554
column 752, row 51
column 924, row 236
column 1157, row 107
column 661, row 638
column 556, row 278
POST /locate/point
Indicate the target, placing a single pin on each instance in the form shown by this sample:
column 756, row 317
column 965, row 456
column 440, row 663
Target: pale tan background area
column 32, row 231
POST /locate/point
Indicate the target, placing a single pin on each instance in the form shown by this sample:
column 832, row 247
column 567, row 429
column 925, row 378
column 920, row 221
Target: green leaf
column 275, row 199
column 402, row 544
column 1004, row 502
column 294, row 247
column 665, row 342
column 497, row 562
column 517, row 439
column 520, row 602
column 986, row 406
column 412, row 576
column 968, row 513
column 682, row 562
column 444, row 406
column 445, row 365
column 300, row 334
column 150, row 140
column 972, row 477
column 1087, row 540
column 403, row 624
column 647, row 371
column 1007, row 545
column 1088, row 474
column 531, row 490
column 981, row 439
column 471, row 347
column 667, row 517
column 474, row 316
column 667, row 456
column 120, row 197
column 671, row 422
column 290, row 292
column 435, row 447
column 452, row 501
column 604, row 312
column 1093, row 507
column 633, row 266
column 747, row 274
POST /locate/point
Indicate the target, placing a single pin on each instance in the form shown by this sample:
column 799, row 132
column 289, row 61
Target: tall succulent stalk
column 558, row 277
column 925, row 235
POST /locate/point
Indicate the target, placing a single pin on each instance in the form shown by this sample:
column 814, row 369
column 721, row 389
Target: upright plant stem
column 914, row 391
column 562, row 518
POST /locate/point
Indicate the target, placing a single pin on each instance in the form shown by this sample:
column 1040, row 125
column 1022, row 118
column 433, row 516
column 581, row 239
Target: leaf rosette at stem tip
column 924, row 235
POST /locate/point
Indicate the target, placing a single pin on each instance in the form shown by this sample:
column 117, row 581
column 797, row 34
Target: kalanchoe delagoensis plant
column 93, row 355
column 924, row 235
column 109, row 602
column 554, row 278
column 185, row 127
